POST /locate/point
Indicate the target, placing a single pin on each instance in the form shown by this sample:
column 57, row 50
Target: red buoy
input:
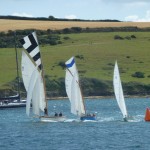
column 147, row 114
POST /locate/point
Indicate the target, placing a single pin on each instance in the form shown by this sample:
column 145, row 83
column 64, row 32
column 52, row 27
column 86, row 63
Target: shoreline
column 99, row 97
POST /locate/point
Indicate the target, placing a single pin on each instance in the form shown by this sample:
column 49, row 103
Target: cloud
column 71, row 17
column 136, row 18
column 22, row 14
column 126, row 1
column 136, row 4
column 132, row 18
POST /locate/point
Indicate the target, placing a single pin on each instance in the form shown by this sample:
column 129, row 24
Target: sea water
column 109, row 132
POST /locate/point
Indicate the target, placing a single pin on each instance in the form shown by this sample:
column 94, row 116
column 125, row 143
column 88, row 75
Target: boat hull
column 87, row 118
column 147, row 114
column 12, row 105
column 125, row 119
column 52, row 118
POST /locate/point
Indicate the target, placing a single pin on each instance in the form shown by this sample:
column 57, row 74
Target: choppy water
column 109, row 132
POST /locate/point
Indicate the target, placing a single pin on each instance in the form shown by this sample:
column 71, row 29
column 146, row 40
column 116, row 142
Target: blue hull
column 87, row 118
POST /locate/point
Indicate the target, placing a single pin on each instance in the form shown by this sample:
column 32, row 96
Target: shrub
column 138, row 74
column 66, row 38
column 66, row 31
column 79, row 56
column 133, row 36
column 117, row 37
column 128, row 38
column 76, row 29
column 62, row 64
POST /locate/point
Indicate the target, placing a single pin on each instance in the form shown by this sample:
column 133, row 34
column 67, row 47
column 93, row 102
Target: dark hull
column 87, row 118
column 12, row 105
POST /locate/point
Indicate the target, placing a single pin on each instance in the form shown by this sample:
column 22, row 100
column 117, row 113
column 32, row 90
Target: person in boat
column 56, row 114
column 89, row 115
column 45, row 111
column 60, row 114
column 93, row 115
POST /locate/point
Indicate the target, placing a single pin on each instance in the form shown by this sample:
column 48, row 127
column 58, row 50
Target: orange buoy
column 147, row 114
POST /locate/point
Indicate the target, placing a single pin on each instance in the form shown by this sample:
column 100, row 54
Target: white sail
column 31, row 89
column 32, row 74
column 70, row 71
column 36, row 93
column 118, row 91
column 38, row 96
column 73, row 89
column 27, row 68
column 42, row 102
column 77, row 106
column 68, row 81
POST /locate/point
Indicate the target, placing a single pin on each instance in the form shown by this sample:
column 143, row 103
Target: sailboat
column 119, row 92
column 74, row 93
column 33, row 78
column 13, row 101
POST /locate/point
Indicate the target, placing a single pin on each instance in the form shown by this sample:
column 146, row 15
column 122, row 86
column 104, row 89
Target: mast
column 16, row 53
column 82, row 97
column 46, row 109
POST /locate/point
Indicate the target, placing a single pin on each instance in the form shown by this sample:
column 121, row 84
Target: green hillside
column 99, row 51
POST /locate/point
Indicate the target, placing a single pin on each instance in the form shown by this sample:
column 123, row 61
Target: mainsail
column 73, row 88
column 27, row 68
column 33, row 74
column 70, row 71
column 118, row 91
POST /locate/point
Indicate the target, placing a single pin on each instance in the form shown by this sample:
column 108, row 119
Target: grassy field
column 100, row 51
column 6, row 24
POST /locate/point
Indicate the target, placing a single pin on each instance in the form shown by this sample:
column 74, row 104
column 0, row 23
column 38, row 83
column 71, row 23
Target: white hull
column 12, row 105
column 52, row 118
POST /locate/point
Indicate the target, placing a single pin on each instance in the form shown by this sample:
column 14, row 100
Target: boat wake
column 137, row 118
column 78, row 120
column 49, row 121
column 109, row 119
column 72, row 120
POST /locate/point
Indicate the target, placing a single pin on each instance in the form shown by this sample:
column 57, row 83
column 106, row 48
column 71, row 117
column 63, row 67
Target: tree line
column 52, row 37
column 89, row 86
column 52, row 18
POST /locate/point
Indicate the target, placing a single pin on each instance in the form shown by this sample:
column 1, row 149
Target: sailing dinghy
column 119, row 92
column 73, row 91
column 33, row 78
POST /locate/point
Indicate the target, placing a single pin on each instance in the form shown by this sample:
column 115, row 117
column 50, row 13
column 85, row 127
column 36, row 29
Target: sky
column 123, row 10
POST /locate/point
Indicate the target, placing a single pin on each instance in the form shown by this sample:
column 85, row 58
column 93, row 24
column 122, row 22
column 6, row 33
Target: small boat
column 119, row 92
column 147, row 114
column 13, row 101
column 74, row 93
column 33, row 78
